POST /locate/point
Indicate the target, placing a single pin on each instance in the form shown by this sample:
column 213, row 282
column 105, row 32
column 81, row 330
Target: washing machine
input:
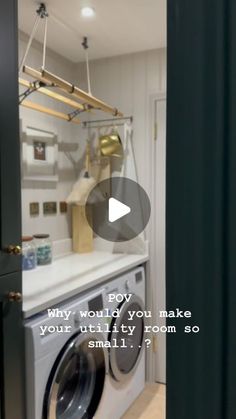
column 126, row 377
column 65, row 378
column 87, row 367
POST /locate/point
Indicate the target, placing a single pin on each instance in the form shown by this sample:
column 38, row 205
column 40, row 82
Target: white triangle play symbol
column 117, row 210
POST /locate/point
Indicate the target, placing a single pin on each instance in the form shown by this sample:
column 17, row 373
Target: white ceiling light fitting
column 87, row 9
column 87, row 12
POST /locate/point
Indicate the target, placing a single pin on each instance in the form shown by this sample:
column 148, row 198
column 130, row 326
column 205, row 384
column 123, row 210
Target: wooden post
column 82, row 233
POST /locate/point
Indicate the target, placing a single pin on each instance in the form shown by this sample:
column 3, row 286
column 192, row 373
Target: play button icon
column 120, row 209
column 117, row 210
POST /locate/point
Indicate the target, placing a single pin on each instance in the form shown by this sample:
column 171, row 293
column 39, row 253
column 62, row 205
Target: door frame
column 151, row 290
column 10, row 177
column 12, row 354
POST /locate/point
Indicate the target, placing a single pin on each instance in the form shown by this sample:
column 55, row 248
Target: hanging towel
column 129, row 170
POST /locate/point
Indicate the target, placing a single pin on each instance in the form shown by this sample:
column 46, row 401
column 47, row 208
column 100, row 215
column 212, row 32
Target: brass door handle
column 14, row 297
column 13, row 249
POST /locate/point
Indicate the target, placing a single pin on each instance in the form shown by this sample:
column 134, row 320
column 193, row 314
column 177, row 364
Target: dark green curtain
column 201, row 208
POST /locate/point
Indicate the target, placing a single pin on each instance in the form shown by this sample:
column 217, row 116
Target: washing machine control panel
column 96, row 303
column 54, row 326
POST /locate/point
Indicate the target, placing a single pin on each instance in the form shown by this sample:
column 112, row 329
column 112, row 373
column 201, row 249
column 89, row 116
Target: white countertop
column 49, row 285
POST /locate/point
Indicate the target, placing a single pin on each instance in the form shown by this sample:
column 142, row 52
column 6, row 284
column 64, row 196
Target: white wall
column 58, row 226
column 127, row 82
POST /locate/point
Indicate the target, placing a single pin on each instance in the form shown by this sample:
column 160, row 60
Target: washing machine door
column 76, row 383
column 125, row 349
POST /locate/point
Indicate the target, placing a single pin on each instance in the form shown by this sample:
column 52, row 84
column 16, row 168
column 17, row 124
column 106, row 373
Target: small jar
column 43, row 246
column 29, row 260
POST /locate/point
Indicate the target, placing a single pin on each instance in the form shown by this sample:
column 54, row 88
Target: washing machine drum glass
column 77, row 380
column 126, row 349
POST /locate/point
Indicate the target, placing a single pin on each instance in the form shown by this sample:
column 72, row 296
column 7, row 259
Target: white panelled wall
column 131, row 82
column 127, row 82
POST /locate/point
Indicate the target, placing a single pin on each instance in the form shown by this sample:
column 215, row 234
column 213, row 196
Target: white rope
column 45, row 42
column 29, row 43
column 88, row 73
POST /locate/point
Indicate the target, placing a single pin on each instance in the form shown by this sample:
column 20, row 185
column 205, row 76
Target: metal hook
column 85, row 42
column 42, row 11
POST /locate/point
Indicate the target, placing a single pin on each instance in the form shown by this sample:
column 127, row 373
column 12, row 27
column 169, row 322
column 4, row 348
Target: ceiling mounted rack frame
column 45, row 80
column 51, row 112
column 120, row 121
column 38, row 86
column 43, row 88
column 71, row 89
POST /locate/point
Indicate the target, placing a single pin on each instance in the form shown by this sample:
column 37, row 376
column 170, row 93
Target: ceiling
column 119, row 27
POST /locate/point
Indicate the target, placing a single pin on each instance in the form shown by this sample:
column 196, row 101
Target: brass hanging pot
column 111, row 145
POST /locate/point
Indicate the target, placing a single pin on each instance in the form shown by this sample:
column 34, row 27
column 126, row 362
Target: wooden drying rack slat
column 46, row 77
column 53, row 95
column 36, row 107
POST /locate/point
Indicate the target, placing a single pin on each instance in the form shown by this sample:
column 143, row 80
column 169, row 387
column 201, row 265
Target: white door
column 158, row 226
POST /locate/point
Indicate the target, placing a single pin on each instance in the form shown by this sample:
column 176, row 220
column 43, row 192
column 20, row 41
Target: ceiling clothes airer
column 89, row 100
column 44, row 81
column 49, row 93
column 39, row 85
